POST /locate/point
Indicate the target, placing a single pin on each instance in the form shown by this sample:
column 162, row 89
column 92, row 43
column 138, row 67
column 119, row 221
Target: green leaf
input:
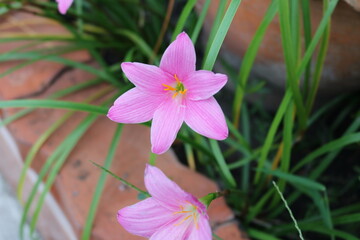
column 260, row 235
column 295, row 180
column 32, row 103
column 271, row 133
column 329, row 147
column 222, row 164
column 249, row 58
column 220, row 35
column 183, row 17
column 100, row 184
column 200, row 21
column 123, row 181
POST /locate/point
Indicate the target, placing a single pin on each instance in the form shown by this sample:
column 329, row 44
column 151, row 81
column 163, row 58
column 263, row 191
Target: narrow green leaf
column 306, row 19
column 295, row 180
column 183, row 17
column 290, row 60
column 318, row 34
column 57, row 158
column 222, row 164
column 289, row 210
column 319, row 63
column 200, row 21
column 100, row 184
column 219, row 16
column 123, row 180
column 220, row 35
column 32, row 103
column 260, row 235
column 271, row 133
column 34, row 150
column 329, row 147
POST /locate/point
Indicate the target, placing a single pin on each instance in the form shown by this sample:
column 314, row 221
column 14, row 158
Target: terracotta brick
column 230, row 231
column 36, row 76
column 77, row 179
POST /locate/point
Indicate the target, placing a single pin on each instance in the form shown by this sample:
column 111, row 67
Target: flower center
column 190, row 212
column 179, row 88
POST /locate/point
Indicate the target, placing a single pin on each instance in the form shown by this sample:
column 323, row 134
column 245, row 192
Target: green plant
column 298, row 146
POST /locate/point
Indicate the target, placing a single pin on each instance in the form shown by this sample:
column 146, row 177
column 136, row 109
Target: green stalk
column 100, row 184
column 183, row 17
column 123, row 180
column 42, row 139
column 271, row 133
column 249, row 59
column 32, row 103
column 290, row 60
column 200, row 21
column 222, row 163
column 60, row 155
column 288, row 143
column 220, row 35
column 219, row 16
column 319, row 63
column 319, row 33
column 306, row 19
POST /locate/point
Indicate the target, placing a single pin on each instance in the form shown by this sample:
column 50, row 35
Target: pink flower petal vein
column 171, row 94
column 170, row 213
column 64, row 5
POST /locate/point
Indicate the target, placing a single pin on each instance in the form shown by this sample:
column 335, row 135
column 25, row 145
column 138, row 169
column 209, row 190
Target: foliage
column 310, row 153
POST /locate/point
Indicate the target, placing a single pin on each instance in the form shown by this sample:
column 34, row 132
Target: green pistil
column 180, row 87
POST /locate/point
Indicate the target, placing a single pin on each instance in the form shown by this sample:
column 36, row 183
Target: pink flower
column 171, row 213
column 63, row 5
column 171, row 94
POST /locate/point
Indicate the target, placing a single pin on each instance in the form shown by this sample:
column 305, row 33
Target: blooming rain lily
column 171, row 94
column 63, row 5
column 170, row 213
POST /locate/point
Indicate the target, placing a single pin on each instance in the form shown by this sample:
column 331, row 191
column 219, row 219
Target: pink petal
column 146, row 77
column 166, row 123
column 134, row 106
column 206, row 118
column 201, row 231
column 161, row 188
column 144, row 218
column 63, row 5
column 172, row 231
column 204, row 84
column 179, row 58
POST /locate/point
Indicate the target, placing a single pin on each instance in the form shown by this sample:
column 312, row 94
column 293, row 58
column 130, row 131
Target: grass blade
column 183, row 17
column 249, row 59
column 200, row 21
column 271, row 133
column 100, row 184
column 222, row 164
column 329, row 147
column 33, row 103
column 319, row 64
column 289, row 210
column 220, row 35
column 123, row 180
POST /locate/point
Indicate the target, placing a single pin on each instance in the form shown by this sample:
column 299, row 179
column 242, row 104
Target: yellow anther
column 183, row 92
column 183, row 220
column 177, row 79
column 196, row 221
column 182, row 212
column 175, row 94
column 179, row 88
column 168, row 87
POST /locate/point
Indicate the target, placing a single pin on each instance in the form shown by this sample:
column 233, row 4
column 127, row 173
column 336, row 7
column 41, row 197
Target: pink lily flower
column 171, row 213
column 63, row 5
column 171, row 94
